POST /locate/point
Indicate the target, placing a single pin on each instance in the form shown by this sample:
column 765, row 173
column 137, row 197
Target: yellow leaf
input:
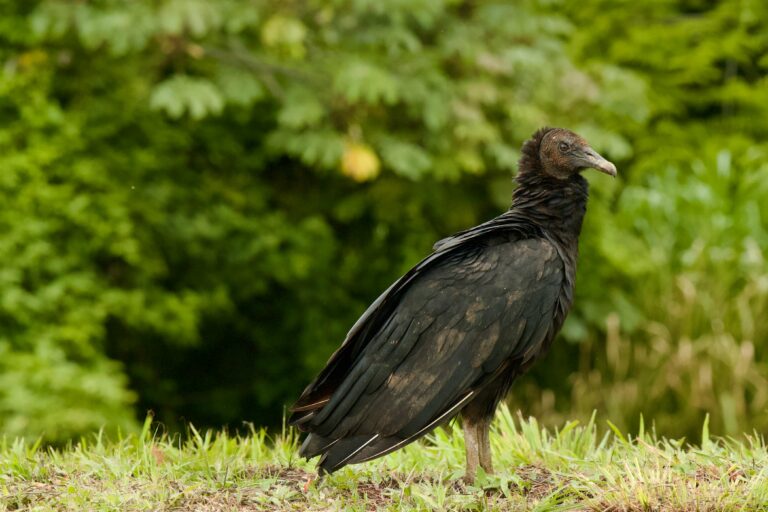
column 32, row 58
column 359, row 162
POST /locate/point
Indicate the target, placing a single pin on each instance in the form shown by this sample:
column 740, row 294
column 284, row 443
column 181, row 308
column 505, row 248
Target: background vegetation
column 199, row 198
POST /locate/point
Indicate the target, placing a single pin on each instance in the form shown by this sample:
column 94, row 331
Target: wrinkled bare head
column 562, row 153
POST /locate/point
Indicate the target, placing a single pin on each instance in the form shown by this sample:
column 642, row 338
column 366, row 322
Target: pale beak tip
column 609, row 169
column 600, row 163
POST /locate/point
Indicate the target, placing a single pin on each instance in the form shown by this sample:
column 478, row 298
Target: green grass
column 572, row 468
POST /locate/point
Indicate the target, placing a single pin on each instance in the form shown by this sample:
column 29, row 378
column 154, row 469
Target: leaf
column 52, row 19
column 239, row 86
column 185, row 94
column 241, row 16
column 405, row 158
column 300, row 108
column 362, row 81
column 198, row 17
column 616, row 431
column 122, row 31
column 322, row 148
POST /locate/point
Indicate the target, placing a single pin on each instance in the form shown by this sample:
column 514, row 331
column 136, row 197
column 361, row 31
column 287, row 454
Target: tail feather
column 337, row 453
column 380, row 448
column 314, row 445
column 343, row 451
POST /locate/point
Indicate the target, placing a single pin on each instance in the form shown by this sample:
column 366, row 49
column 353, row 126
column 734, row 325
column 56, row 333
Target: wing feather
column 379, row 312
column 448, row 333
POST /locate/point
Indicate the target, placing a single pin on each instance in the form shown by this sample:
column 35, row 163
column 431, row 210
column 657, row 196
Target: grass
column 572, row 468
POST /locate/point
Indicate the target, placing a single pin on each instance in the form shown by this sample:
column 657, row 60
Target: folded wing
column 478, row 306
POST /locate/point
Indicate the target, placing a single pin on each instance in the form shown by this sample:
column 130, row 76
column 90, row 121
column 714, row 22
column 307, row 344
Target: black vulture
column 452, row 334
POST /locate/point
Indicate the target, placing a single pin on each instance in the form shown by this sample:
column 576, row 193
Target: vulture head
column 562, row 154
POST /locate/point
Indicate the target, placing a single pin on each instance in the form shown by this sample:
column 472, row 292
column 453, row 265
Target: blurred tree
column 202, row 196
column 211, row 192
column 681, row 260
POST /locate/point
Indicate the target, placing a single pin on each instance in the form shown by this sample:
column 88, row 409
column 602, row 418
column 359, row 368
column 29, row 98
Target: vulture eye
column 563, row 147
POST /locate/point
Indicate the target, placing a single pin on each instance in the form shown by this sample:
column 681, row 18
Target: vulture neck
column 557, row 206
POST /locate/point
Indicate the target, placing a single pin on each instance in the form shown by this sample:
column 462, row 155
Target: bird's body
column 452, row 334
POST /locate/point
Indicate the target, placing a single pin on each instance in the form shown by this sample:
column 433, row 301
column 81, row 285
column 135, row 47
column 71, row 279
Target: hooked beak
column 591, row 159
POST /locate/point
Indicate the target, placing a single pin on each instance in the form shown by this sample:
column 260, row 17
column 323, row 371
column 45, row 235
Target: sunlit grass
column 573, row 467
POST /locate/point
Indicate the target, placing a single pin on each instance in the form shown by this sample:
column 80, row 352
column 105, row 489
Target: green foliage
column 186, row 95
column 676, row 262
column 163, row 211
column 200, row 197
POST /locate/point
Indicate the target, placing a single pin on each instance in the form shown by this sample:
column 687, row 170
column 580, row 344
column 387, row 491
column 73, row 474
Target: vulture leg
column 471, row 445
column 483, row 433
column 478, row 445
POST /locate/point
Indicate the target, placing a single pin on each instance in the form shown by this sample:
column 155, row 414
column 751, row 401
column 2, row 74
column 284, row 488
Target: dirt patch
column 540, row 482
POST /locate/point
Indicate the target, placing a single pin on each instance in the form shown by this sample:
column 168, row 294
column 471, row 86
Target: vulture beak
column 591, row 159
